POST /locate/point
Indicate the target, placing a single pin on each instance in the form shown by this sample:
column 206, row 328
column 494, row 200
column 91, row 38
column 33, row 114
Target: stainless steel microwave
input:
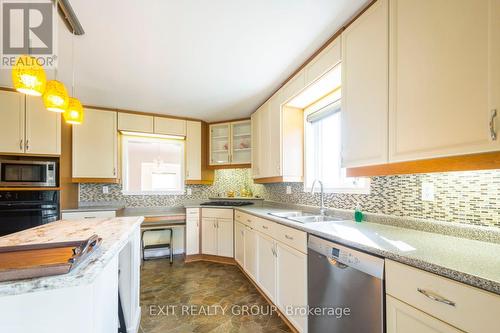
column 28, row 173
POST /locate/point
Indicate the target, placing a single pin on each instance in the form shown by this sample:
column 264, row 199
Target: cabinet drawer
column 223, row 213
column 246, row 219
column 292, row 237
column 88, row 215
column 266, row 227
column 474, row 310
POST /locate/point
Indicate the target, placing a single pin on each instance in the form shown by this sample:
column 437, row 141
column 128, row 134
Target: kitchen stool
column 169, row 246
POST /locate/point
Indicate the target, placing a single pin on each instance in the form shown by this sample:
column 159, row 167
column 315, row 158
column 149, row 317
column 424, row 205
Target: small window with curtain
column 322, row 129
column 153, row 165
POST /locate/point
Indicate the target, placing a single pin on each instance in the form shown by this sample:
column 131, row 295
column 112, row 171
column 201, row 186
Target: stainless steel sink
column 314, row 218
column 292, row 214
column 303, row 217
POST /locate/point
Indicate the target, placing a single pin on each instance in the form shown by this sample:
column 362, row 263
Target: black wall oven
column 21, row 210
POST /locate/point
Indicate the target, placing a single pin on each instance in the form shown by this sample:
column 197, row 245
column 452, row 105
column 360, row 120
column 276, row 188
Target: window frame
column 366, row 189
column 124, row 161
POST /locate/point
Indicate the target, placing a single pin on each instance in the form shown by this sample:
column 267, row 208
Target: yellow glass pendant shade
column 74, row 112
column 28, row 76
column 55, row 97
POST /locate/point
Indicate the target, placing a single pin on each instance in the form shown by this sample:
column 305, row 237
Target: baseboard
column 280, row 314
column 209, row 257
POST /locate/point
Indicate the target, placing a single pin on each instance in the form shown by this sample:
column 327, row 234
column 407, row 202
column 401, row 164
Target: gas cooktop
column 227, row 203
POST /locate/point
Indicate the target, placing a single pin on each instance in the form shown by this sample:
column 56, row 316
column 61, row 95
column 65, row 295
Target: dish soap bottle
column 358, row 214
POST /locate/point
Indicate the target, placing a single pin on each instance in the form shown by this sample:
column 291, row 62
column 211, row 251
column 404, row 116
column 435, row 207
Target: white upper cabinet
column 43, row 128
column 294, row 86
column 26, row 127
column 273, row 141
column 193, row 150
column 256, row 152
column 11, row 122
column 135, row 123
column 231, row 143
column 323, row 62
column 365, row 90
column 169, row 126
column 444, row 76
column 95, row 145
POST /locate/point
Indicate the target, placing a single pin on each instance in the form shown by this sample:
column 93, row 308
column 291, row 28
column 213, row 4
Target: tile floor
column 202, row 297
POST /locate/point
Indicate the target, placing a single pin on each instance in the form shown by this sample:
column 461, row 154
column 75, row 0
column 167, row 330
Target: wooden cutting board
column 37, row 260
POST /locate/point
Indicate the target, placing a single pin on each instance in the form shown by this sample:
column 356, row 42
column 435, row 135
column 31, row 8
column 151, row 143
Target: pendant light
column 56, row 97
column 28, row 76
column 74, row 112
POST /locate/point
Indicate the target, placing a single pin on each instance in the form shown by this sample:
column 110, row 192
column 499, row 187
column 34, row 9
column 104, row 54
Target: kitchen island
column 85, row 299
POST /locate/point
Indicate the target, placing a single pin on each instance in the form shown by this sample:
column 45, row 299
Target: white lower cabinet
column 291, row 283
column 402, row 318
column 251, row 247
column 217, row 232
column 192, row 232
column 267, row 265
column 239, row 243
column 278, row 269
column 225, row 237
column 208, row 236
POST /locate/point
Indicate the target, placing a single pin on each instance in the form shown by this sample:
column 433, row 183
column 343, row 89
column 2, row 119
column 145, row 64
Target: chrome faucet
column 322, row 209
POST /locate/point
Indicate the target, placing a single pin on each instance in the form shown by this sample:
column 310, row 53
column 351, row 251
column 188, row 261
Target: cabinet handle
column 265, row 227
column 114, row 171
column 493, row 133
column 273, row 251
column 289, row 237
column 249, row 221
column 21, row 145
column 435, row 297
column 27, row 145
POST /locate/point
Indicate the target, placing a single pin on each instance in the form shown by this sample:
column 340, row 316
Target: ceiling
column 211, row 60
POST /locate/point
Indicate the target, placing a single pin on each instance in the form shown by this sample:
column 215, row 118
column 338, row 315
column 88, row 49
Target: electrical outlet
column 288, row 190
column 105, row 189
column 189, row 191
column 427, row 191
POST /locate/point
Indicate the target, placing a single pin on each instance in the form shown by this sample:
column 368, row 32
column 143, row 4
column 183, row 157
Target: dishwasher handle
column 337, row 263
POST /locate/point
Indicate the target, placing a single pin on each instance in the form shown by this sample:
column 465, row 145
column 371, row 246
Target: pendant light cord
column 73, row 63
column 55, row 22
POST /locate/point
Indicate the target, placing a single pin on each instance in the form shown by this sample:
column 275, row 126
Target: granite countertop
column 473, row 262
column 114, row 232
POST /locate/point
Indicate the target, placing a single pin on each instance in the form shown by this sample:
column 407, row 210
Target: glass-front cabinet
column 230, row 143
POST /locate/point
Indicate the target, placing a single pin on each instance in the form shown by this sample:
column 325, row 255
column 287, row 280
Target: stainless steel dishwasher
column 345, row 289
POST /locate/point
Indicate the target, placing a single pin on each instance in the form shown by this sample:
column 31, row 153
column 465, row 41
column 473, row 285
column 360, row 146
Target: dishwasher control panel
column 359, row 260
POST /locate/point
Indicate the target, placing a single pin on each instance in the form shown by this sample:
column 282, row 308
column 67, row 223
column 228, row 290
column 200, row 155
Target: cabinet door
column 239, row 243
column 193, row 150
column 95, row 145
column 169, row 126
column 192, row 235
column 365, row 90
column 274, row 136
column 220, row 141
column 135, row 122
column 439, row 83
column 323, row 62
column 251, row 253
column 225, row 236
column 293, row 87
column 494, row 57
column 43, row 128
column 11, row 122
column 267, row 265
column 241, row 142
column 208, row 236
column 402, row 318
column 256, row 147
column 291, row 282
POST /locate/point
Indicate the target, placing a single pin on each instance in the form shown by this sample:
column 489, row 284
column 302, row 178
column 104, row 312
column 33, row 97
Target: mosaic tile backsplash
column 465, row 197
